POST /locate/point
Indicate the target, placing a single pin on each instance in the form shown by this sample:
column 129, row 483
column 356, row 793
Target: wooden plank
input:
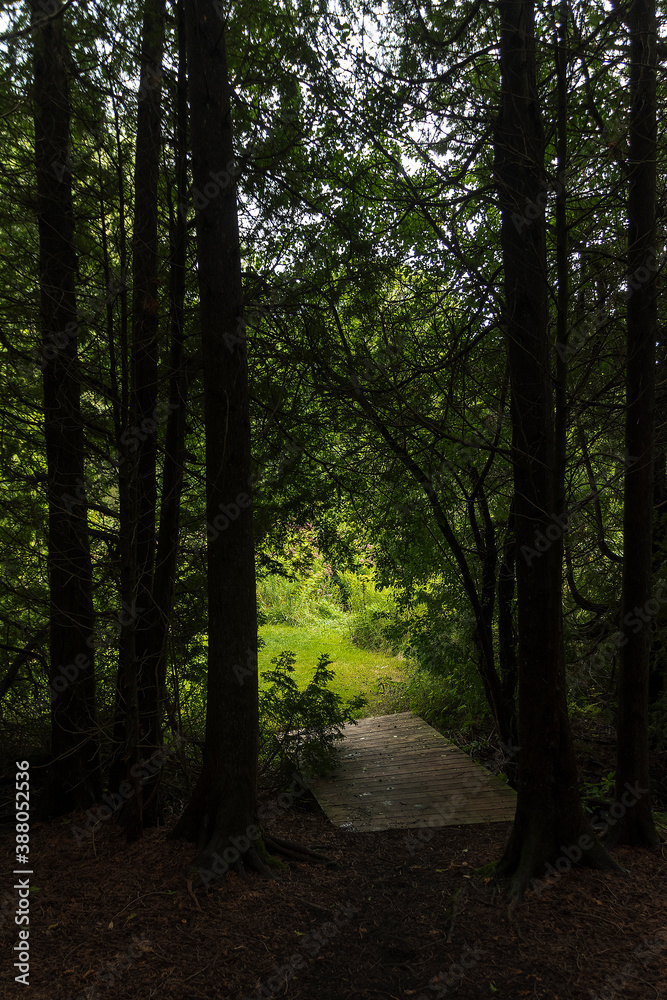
column 396, row 772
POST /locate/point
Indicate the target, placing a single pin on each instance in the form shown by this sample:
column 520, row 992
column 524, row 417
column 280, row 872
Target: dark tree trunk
column 75, row 780
column 504, row 686
column 154, row 663
column 144, row 397
column 121, row 392
column 549, row 817
column 221, row 817
column 656, row 681
column 507, row 659
column 562, row 270
column 635, row 825
column 139, row 442
column 223, row 805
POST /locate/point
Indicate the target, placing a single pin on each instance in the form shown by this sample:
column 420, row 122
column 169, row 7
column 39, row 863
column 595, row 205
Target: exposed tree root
column 525, row 868
column 234, row 839
column 258, row 856
column 253, row 861
column 523, row 865
column 295, row 851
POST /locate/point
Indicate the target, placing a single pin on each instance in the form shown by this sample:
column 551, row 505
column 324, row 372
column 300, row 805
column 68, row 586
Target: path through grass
column 358, row 671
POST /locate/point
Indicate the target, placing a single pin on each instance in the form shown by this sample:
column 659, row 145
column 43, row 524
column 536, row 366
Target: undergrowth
column 299, row 728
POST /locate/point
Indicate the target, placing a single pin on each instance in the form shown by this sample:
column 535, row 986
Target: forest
column 332, row 387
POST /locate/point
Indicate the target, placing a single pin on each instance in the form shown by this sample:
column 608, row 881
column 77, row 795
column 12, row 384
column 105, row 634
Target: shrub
column 299, row 729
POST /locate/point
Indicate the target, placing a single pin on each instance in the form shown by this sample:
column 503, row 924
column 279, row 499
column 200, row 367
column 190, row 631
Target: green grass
column 358, row 671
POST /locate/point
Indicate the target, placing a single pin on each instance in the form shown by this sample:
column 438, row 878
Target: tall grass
column 369, row 610
column 347, row 600
column 304, row 601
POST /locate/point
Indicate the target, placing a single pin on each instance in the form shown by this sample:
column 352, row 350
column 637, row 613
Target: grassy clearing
column 358, row 671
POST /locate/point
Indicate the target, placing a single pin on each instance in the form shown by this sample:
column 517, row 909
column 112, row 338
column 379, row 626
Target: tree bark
column 635, row 825
column 75, row 780
column 154, row 662
column 656, row 681
column 507, row 658
column 549, row 817
column 222, row 812
column 137, row 686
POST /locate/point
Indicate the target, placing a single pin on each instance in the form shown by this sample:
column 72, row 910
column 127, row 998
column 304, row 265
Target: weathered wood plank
column 396, row 772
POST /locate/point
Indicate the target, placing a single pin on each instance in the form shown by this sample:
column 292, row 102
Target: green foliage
column 308, row 590
column 367, row 629
column 444, row 685
column 603, row 789
column 349, row 298
column 370, row 609
column 299, row 729
column 303, row 589
column 439, row 699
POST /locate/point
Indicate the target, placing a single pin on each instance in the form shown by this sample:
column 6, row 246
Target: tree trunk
column 75, row 780
column 549, row 817
column 635, row 825
column 507, row 659
column 139, row 442
column 221, row 816
column 656, row 681
column 154, row 664
column 121, row 408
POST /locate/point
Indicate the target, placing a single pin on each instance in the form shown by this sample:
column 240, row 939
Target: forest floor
column 398, row 914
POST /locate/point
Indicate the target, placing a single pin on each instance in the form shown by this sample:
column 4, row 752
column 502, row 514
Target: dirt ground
column 402, row 914
column 399, row 914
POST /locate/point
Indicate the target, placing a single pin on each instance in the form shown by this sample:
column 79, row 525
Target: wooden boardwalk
column 396, row 772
